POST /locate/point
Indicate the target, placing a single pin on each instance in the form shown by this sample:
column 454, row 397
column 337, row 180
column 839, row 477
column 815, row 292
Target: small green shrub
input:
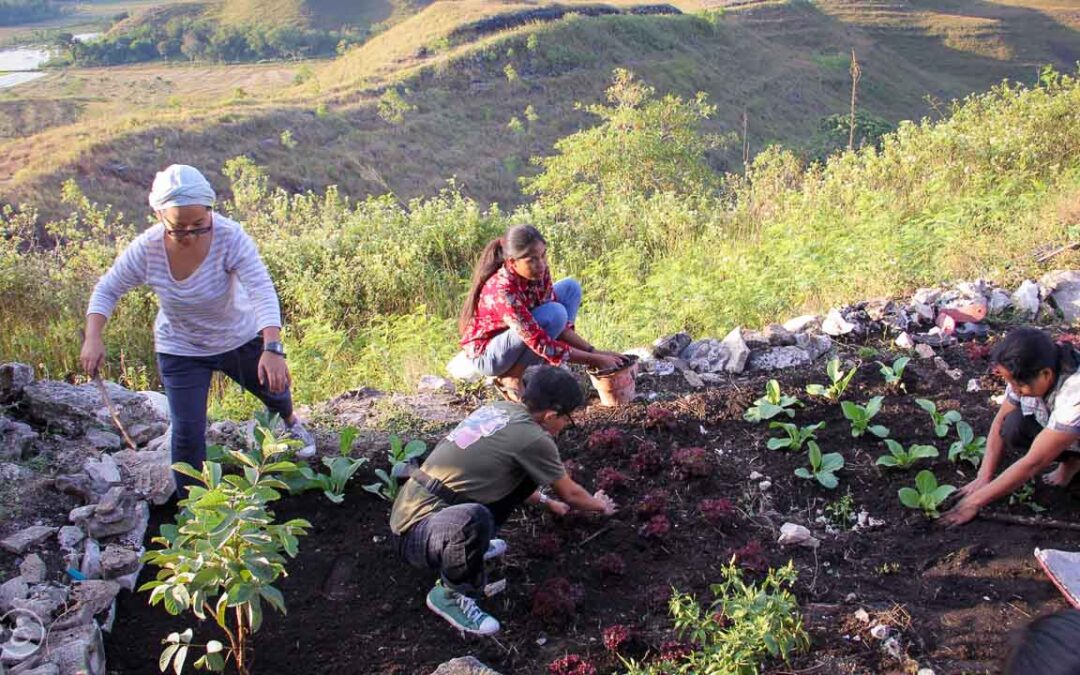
column 894, row 374
column 796, row 437
column 823, row 468
column 969, row 447
column 927, row 494
column 770, row 405
column 941, row 421
column 387, row 487
column 900, row 458
column 746, row 625
column 860, row 417
column 838, row 381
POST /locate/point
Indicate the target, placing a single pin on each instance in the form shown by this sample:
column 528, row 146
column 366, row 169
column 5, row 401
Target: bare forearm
column 95, row 325
column 570, row 337
column 579, row 498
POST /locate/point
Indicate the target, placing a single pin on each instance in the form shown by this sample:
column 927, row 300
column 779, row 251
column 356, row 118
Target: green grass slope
column 783, row 64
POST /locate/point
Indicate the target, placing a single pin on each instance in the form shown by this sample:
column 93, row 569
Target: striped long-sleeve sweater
column 221, row 306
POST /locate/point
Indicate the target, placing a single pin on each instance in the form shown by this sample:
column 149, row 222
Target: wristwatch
column 544, row 499
column 275, row 347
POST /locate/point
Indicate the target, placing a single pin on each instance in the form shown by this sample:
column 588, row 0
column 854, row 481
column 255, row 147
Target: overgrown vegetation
column 14, row 12
column 370, row 287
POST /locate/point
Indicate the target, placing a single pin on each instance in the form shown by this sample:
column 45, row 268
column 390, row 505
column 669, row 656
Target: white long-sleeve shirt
column 221, row 306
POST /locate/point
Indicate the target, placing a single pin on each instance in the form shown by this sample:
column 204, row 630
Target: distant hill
column 461, row 72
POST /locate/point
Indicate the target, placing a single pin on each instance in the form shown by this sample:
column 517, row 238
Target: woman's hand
column 92, row 356
column 605, row 360
column 962, row 513
column 557, row 507
column 973, row 486
column 274, row 372
column 607, row 502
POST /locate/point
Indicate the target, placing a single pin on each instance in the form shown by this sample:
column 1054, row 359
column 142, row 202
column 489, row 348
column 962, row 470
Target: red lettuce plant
column 751, row 556
column 659, row 417
column 717, row 512
column 658, row 527
column 647, row 459
column 611, row 564
column 571, row 664
column 606, row 439
column 546, row 545
column 657, row 596
column 692, row 462
column 615, row 637
column 977, row 351
column 653, row 503
column 555, row 601
column 674, row 650
column 609, row 480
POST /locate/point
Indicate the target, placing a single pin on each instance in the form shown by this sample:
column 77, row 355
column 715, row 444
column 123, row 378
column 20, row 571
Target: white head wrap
column 181, row 185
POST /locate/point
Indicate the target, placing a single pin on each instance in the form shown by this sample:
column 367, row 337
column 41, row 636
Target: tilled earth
column 951, row 597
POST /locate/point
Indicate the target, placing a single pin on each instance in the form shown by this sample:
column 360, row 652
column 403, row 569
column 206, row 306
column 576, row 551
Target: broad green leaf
column 832, row 369
column 942, row 493
column 923, row 451
column 832, row 462
column 772, row 390
column 346, row 439
column 926, row 405
column 952, row 417
column 166, row 656
column 185, row 469
column 215, row 663
column 415, row 448
column 801, row 472
column 963, row 429
column 816, row 390
column 827, row 480
column 909, row 498
column 778, row 443
column 873, row 406
column 926, row 482
column 179, row 659
column 879, row 431
column 886, row 460
column 334, row 497
column 852, row 411
column 274, row 597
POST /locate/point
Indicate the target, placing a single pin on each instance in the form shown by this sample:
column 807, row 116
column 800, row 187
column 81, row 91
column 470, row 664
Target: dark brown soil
column 954, row 595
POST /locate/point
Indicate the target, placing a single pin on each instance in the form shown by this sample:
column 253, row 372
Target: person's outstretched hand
column 92, row 356
column 273, row 372
column 964, row 512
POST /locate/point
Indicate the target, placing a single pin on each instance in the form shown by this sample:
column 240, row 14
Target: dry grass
column 770, row 59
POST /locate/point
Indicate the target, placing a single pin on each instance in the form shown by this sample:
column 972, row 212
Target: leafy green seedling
column 838, row 379
column 771, row 404
column 860, row 417
column 894, row 374
column 399, row 452
column 899, row 458
column 823, row 468
column 796, row 437
column 927, row 494
column 1026, row 495
column 969, row 448
column 942, row 421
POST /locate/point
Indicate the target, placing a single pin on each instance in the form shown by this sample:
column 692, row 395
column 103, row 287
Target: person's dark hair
column 515, row 243
column 1047, row 646
column 551, row 388
column 1025, row 352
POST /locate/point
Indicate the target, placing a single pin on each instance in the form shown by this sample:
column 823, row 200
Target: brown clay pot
column 616, row 387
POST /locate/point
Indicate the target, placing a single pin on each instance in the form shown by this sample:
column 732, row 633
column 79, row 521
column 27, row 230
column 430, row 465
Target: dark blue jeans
column 187, row 386
column 452, row 541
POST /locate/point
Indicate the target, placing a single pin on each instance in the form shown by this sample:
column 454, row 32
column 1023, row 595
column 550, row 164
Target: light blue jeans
column 508, row 349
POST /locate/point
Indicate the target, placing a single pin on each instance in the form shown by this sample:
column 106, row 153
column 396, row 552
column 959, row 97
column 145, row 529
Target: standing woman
column 218, row 311
column 514, row 317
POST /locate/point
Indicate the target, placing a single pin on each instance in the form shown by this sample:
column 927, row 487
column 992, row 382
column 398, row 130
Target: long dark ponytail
column 515, row 243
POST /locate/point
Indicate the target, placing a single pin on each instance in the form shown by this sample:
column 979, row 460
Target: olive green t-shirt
column 484, row 459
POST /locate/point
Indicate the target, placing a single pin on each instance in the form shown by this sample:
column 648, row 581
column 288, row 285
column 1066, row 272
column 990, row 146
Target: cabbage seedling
column 823, row 468
column 969, row 448
column 796, row 437
column 942, row 421
column 860, row 417
column 927, row 494
column 770, row 405
column 898, row 458
column 399, row 453
column 839, row 381
column 894, row 374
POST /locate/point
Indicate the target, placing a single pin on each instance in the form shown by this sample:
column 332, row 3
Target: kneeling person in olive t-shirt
column 446, row 516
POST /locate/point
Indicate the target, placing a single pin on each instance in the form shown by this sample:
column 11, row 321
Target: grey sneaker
column 496, row 547
column 461, row 611
column 299, row 432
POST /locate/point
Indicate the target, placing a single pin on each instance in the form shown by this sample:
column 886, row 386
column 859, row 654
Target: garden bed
column 952, row 596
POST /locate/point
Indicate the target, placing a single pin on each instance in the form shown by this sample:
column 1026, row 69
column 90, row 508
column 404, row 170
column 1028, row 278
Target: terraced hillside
column 480, row 88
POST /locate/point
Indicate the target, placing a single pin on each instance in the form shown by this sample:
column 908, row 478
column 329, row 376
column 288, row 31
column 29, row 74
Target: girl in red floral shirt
column 515, row 317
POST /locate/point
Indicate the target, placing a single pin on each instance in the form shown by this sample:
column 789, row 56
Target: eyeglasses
column 181, row 233
column 570, row 420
